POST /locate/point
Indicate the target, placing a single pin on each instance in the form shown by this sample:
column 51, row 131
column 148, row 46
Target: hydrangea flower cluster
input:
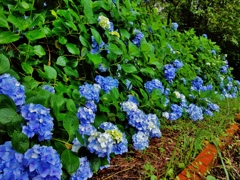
column 90, row 92
column 197, row 83
column 128, row 84
column 91, row 105
column 12, row 88
column 213, row 52
column 102, row 67
column 177, row 64
column 169, row 72
column 105, row 23
column 154, row 84
column 48, row 88
column 174, row 26
column 38, row 121
column 84, row 170
column 176, row 112
column 106, row 83
column 85, row 115
column 43, row 162
column 96, row 48
column 224, row 69
column 11, row 163
column 140, row 140
column 205, row 35
column 195, row 112
column 138, row 37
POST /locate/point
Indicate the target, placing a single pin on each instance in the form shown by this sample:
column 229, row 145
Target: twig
column 118, row 172
column 49, row 56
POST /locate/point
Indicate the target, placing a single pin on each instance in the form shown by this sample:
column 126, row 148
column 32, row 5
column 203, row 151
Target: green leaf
column 145, row 47
column 72, row 48
column 35, row 34
column 95, row 58
column 62, row 61
column 38, row 50
column 95, row 163
column 69, row 161
column 99, row 119
column 4, row 63
column 96, row 36
column 62, row 40
column 71, row 106
column 88, row 13
column 50, row 72
column 70, row 123
column 79, row 137
column 133, row 50
column 124, row 33
column 3, row 21
column 27, row 68
column 71, row 72
column 8, row 115
column 7, row 37
column 129, row 68
column 84, row 41
column 20, row 142
column 6, row 102
column 25, row 5
column 114, row 49
column 148, row 70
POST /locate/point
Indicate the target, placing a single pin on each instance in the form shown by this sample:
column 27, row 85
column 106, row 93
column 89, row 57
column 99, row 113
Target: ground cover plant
column 83, row 81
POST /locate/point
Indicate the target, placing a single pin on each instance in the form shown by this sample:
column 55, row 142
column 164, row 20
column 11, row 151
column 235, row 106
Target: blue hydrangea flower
column 107, row 126
column 138, row 119
column 111, row 27
column 177, row 64
column 84, row 170
column 213, row 52
column 12, row 88
column 86, row 129
column 204, row 35
column 102, row 67
column 38, row 121
column 174, row 26
column 43, row 162
column 121, row 147
column 133, row 99
column 154, row 84
column 153, row 126
column 76, row 145
column 96, row 48
column 138, row 37
column 90, row 92
column 140, row 140
column 195, row 112
column 184, row 81
column 169, row 72
column 85, row 115
column 107, row 83
column 176, row 112
column 128, row 84
column 224, row 69
column 91, row 105
column 166, row 91
column 208, row 112
column 49, row 88
column 213, row 107
column 100, row 144
column 11, row 163
column 129, row 106
column 166, row 115
column 197, row 83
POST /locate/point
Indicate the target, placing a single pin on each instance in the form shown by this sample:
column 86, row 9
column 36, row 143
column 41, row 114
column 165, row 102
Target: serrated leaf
column 8, row 115
column 35, row 34
column 27, row 68
column 20, row 142
column 7, row 37
column 129, row 68
column 38, row 50
column 4, row 63
column 69, row 161
column 6, row 102
column 72, row 48
column 71, row 123
column 50, row 72
column 62, row 61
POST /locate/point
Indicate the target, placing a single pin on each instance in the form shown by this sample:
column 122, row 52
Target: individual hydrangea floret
column 11, row 163
column 174, row 26
column 85, row 115
column 140, row 140
column 169, row 72
column 48, row 88
column 38, row 121
column 138, row 37
column 102, row 67
column 177, row 64
column 107, row 83
column 154, row 84
column 177, row 94
column 195, row 112
column 91, row 105
column 43, row 162
column 96, row 48
column 104, row 22
column 84, row 170
column 12, row 88
column 100, row 144
column 166, row 115
column 138, row 119
column 90, row 92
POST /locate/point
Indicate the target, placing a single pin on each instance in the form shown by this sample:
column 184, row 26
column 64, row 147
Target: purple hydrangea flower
column 84, row 170
column 195, row 112
column 154, row 84
column 43, row 162
column 49, row 88
column 85, row 115
column 12, row 88
column 169, row 72
column 106, row 83
column 140, row 140
column 174, row 26
column 138, row 37
column 91, row 105
column 90, row 92
column 38, row 121
column 96, row 48
column 11, row 166
column 177, row 64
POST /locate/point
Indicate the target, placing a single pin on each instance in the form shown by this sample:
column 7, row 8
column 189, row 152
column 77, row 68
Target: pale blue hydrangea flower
column 84, row 170
column 48, row 88
column 128, row 84
column 12, row 88
column 11, row 166
column 154, row 84
column 174, row 26
column 90, row 92
column 133, row 99
column 166, row 91
column 87, row 129
column 140, row 140
column 39, row 121
column 195, row 112
column 176, row 112
column 107, row 83
column 224, row 69
column 166, row 115
column 43, row 162
column 205, row 35
column 153, row 126
column 85, row 115
column 208, row 112
column 213, row 52
column 129, row 106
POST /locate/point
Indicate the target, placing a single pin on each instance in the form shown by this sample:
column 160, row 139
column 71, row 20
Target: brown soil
column 130, row 166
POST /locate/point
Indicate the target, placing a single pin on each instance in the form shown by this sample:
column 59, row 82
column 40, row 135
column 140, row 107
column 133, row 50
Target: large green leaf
column 27, row 68
column 72, row 48
column 95, row 58
column 115, row 49
column 20, row 142
column 8, row 115
column 7, row 37
column 38, row 50
column 70, row 123
column 62, row 61
column 129, row 68
column 35, row 34
column 6, row 102
column 71, row 106
column 69, row 161
column 84, row 41
column 4, row 63
column 87, row 8
column 50, row 72
column 3, row 21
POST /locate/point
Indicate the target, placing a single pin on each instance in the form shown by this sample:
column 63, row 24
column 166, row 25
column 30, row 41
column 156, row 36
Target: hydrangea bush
column 81, row 82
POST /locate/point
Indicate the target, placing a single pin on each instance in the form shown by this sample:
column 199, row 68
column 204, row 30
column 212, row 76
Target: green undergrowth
column 194, row 135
